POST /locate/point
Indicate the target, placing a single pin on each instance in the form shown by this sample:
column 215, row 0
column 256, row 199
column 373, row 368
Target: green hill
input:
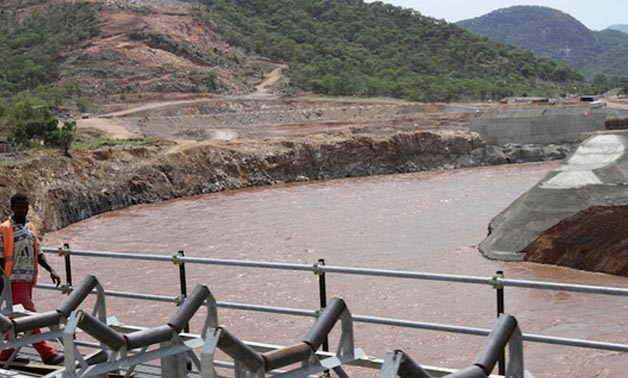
column 551, row 33
column 332, row 47
column 349, row 47
column 32, row 48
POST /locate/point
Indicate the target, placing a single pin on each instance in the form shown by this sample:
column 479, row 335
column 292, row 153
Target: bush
column 29, row 121
column 62, row 137
column 32, row 123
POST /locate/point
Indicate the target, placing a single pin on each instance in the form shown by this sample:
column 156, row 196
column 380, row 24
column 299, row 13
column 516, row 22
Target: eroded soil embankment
column 66, row 190
column 593, row 240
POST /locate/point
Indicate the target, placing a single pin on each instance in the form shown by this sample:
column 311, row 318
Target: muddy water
column 428, row 222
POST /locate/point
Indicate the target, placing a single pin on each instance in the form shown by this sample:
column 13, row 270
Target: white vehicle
column 598, row 104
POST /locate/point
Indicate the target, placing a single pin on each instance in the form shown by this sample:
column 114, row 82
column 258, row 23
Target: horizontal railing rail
column 318, row 268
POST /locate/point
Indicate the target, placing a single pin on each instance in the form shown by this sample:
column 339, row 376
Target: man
column 21, row 254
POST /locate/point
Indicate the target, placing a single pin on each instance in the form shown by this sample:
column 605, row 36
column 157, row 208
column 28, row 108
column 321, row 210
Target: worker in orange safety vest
column 21, row 253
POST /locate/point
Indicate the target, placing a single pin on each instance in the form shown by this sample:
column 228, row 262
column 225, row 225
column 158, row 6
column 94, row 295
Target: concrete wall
column 538, row 124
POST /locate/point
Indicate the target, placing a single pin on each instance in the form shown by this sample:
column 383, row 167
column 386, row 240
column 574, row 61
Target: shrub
column 32, row 123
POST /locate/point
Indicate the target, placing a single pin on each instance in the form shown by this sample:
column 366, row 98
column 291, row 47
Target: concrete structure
column 539, row 124
column 596, row 174
column 525, row 100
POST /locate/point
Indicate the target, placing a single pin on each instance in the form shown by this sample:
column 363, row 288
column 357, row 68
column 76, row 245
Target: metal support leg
column 210, row 344
column 173, row 366
column 100, row 309
column 68, row 346
column 391, row 365
column 6, row 300
column 243, row 372
column 345, row 345
column 211, row 321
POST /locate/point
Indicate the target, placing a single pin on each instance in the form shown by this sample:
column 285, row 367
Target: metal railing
column 497, row 281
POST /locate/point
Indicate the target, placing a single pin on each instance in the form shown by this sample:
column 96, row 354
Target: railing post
column 322, row 291
column 500, row 310
column 68, row 265
column 183, row 284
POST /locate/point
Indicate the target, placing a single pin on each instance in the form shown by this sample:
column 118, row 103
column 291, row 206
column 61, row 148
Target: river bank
column 66, row 189
column 423, row 222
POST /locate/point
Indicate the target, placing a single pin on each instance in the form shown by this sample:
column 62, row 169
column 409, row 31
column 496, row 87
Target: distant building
column 588, row 98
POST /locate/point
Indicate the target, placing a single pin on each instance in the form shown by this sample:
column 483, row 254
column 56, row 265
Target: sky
column 596, row 15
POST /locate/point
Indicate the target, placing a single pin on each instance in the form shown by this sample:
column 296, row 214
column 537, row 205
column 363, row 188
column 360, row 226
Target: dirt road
column 262, row 116
column 112, row 123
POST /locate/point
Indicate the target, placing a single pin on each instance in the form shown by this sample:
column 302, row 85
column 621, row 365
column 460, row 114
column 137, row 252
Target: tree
column 62, row 137
column 30, row 120
column 560, row 73
column 600, row 82
column 32, row 123
column 623, row 87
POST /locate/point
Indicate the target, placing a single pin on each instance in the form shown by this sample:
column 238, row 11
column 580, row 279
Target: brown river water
column 430, row 222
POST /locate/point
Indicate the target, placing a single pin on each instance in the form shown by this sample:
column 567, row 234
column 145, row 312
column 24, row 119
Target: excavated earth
column 216, row 143
column 261, row 149
column 594, row 239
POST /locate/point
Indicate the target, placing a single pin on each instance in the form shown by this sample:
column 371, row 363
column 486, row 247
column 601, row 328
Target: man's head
column 19, row 206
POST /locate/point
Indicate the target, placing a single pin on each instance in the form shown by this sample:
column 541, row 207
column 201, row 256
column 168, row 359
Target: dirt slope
column 593, row 240
column 159, row 50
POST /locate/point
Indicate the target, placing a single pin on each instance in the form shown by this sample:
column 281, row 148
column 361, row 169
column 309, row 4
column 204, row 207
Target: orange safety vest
column 7, row 237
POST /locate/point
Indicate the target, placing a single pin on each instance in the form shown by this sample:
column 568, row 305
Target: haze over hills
column 551, row 33
column 334, row 47
column 619, row 27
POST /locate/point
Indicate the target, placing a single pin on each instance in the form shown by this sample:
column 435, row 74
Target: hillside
column 551, row 33
column 351, row 47
column 136, row 50
column 130, row 51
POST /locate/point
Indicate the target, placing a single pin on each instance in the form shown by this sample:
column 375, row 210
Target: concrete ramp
column 596, row 174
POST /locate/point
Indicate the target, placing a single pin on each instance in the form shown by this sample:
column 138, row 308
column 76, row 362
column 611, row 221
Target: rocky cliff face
column 65, row 190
